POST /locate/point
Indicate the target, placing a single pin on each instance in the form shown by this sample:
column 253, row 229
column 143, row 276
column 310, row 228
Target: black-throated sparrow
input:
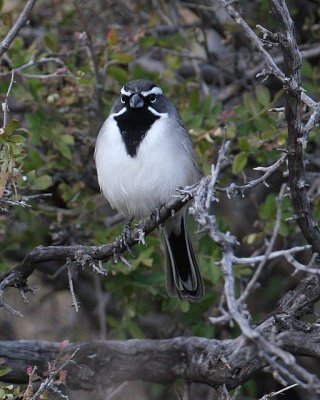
column 143, row 154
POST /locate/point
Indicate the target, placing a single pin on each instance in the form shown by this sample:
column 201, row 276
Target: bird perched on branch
column 143, row 154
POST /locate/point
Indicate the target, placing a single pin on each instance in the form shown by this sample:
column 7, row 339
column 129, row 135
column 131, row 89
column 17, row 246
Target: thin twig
column 5, row 107
column 272, row 68
column 117, row 391
column 73, row 296
column 301, row 267
column 275, row 254
column 22, row 19
column 273, row 394
column 268, row 251
column 100, row 77
column 49, row 383
column 234, row 189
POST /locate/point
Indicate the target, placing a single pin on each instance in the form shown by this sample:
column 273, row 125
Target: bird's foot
column 124, row 236
column 156, row 214
column 186, row 192
column 140, row 235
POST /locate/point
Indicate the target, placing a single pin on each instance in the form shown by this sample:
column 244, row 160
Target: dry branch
column 22, row 19
column 215, row 362
column 87, row 255
column 296, row 133
column 294, row 97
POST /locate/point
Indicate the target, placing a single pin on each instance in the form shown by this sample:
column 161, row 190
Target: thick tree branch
column 215, row 362
column 294, row 97
column 88, row 255
column 296, row 138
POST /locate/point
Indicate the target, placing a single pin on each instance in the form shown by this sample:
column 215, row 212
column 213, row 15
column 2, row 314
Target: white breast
column 137, row 185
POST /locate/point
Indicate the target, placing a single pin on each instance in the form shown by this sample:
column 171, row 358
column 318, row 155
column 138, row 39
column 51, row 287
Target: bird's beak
column 136, row 101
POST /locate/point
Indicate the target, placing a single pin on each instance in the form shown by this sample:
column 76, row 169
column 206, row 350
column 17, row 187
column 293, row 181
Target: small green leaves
column 50, row 41
column 12, row 126
column 38, row 183
column 263, row 96
column 239, row 162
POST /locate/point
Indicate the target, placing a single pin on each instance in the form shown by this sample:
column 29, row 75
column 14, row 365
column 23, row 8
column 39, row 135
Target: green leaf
column 139, row 73
column 206, row 105
column 122, row 58
column 244, row 144
column 65, row 150
column 231, row 132
column 50, row 41
column 148, row 41
column 134, row 329
column 4, row 371
column 251, row 104
column 17, row 139
column 118, row 73
column 239, row 162
column 12, row 125
column 42, row 183
column 268, row 208
column 194, row 99
column 185, row 306
column 263, row 96
column 67, row 139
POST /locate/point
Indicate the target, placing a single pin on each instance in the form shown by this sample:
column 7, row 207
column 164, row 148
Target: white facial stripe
column 155, row 90
column 158, row 114
column 119, row 113
column 125, row 92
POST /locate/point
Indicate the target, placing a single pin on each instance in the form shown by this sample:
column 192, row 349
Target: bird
column 143, row 154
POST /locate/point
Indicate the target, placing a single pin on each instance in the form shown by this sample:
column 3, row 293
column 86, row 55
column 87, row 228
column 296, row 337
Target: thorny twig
column 282, row 361
column 234, row 189
column 50, row 382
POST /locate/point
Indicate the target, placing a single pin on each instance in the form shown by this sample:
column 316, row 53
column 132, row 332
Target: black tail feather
column 183, row 278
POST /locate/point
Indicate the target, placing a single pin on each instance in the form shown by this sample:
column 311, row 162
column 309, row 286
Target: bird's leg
column 156, row 214
column 125, row 235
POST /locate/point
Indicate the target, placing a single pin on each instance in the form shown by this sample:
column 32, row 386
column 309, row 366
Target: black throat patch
column 134, row 125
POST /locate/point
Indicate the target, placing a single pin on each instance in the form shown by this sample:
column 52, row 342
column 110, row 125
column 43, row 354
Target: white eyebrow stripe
column 125, row 92
column 158, row 114
column 119, row 112
column 155, row 90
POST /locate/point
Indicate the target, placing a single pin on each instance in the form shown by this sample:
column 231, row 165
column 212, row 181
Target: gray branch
column 296, row 133
column 215, row 362
column 22, row 19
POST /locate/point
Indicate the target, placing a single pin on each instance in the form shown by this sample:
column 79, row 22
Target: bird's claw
column 186, row 192
column 124, row 236
column 141, row 235
column 156, row 214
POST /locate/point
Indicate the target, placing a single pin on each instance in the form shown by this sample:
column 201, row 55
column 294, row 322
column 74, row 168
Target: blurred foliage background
column 71, row 61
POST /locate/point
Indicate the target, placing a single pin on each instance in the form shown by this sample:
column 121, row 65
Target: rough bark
column 215, row 362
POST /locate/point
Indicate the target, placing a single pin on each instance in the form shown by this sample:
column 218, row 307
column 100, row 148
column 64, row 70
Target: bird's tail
column 183, row 278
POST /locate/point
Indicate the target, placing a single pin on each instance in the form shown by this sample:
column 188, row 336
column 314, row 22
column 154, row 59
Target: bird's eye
column 123, row 98
column 152, row 97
